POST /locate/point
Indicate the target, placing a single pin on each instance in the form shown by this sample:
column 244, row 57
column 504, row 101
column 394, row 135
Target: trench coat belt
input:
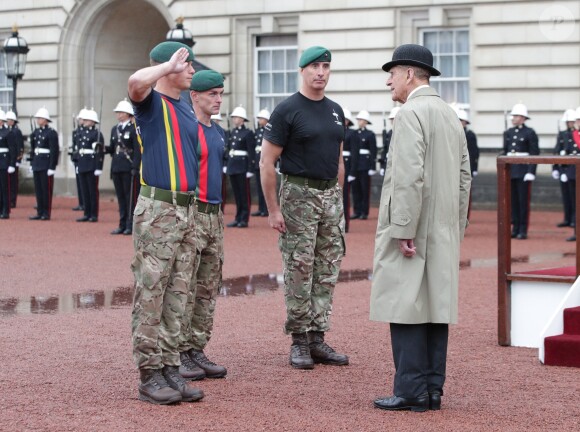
column 518, row 154
column 38, row 150
column 183, row 199
column 364, row 151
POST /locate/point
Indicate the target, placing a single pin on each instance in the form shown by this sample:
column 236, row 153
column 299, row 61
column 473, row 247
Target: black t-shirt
column 311, row 133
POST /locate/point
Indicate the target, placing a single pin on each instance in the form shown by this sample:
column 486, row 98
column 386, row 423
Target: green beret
column 314, row 54
column 163, row 51
column 205, row 80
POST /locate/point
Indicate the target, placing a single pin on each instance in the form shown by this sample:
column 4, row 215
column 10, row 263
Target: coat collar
column 425, row 91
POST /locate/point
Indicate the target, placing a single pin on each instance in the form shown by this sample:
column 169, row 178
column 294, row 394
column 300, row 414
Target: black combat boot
column 154, row 388
column 299, row 352
column 211, row 369
column 321, row 352
column 188, row 369
column 188, row 392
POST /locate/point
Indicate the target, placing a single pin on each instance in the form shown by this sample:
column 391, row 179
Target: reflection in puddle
column 243, row 285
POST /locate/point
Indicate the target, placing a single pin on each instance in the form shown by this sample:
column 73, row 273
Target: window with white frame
column 276, row 70
column 450, row 48
column 5, row 87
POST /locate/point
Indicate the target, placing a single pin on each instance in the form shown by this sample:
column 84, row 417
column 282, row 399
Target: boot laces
column 158, row 380
column 188, row 363
column 174, row 375
column 201, row 358
column 323, row 346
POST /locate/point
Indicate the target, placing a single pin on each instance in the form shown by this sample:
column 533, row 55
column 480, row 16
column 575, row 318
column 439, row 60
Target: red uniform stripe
column 177, row 145
column 203, row 165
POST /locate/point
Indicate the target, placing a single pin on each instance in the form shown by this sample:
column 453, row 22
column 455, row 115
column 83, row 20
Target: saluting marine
column 44, row 158
column 12, row 121
column 124, row 150
column 263, row 117
column 90, row 165
column 387, row 140
column 367, row 155
column 7, row 165
column 240, row 154
column 520, row 140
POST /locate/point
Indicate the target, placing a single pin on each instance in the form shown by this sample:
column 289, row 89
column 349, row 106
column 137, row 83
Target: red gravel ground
column 72, row 370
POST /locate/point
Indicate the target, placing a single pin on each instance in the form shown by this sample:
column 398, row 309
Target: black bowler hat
column 412, row 55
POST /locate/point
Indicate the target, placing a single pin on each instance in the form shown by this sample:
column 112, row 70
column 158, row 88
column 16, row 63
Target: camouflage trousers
column 164, row 241
column 197, row 321
column 312, row 249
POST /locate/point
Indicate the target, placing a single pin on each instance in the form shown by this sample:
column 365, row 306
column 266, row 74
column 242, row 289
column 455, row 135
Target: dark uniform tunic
column 520, row 141
column 240, row 155
column 74, row 157
column 14, row 179
column 361, row 188
column 43, row 156
column 473, row 151
column 262, row 208
column 91, row 155
column 8, row 154
column 123, row 148
column 350, row 158
column 385, row 150
column 566, row 145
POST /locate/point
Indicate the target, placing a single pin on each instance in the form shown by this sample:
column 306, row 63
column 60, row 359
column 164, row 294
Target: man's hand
column 564, row 178
column 249, row 174
column 529, row 177
column 98, row 172
column 50, row 172
column 383, row 172
column 178, row 61
column 556, row 174
column 407, row 247
column 11, row 169
column 350, row 178
column 276, row 221
column 372, row 172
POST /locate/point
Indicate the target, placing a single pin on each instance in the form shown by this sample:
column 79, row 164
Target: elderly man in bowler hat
column 422, row 219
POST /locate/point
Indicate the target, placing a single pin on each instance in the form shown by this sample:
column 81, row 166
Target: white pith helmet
column 42, row 113
column 11, row 115
column 569, row 115
column 462, row 114
column 265, row 114
column 520, row 109
column 90, row 114
column 347, row 115
column 82, row 114
column 124, row 106
column 216, row 117
column 394, row 112
column 364, row 115
column 578, row 113
column 239, row 111
column 2, row 115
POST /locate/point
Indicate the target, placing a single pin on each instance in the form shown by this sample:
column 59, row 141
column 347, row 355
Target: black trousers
column 4, row 192
column 241, row 190
column 43, row 184
column 420, row 354
column 79, row 191
column 122, row 183
column 569, row 200
column 262, row 208
column 13, row 187
column 521, row 192
column 361, row 187
column 90, row 192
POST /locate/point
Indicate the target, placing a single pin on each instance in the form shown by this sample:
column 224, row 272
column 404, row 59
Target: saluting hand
column 178, row 61
column 276, row 221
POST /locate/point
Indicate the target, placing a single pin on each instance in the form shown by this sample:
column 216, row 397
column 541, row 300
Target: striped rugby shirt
column 210, row 155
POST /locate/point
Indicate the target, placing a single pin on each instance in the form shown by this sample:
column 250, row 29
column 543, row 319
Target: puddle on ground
column 238, row 286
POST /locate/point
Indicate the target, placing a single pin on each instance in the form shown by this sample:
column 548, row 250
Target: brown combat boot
column 321, row 352
column 188, row 392
column 299, row 352
column 188, row 369
column 154, row 388
column 211, row 369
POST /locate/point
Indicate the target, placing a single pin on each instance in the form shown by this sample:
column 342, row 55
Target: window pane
column 462, row 66
column 263, row 60
column 278, row 60
column 291, row 82
column 264, row 83
column 463, row 92
column 447, row 91
column 446, row 42
column 291, row 59
column 446, row 66
column 278, row 83
column 430, row 41
column 462, row 41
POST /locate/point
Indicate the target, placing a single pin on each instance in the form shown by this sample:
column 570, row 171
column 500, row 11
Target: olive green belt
column 182, row 199
column 311, row 183
column 205, row 207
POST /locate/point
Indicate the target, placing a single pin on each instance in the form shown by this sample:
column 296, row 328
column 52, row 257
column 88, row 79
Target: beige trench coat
column 424, row 197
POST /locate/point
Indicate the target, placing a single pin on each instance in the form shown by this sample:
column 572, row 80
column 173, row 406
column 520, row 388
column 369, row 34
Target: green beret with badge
column 206, row 79
column 163, row 51
column 314, row 54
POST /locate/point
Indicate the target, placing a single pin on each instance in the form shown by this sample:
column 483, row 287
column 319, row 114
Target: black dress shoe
column 232, row 224
column 83, row 219
column 4, row 216
column 117, row 231
column 563, row 224
column 256, row 213
column 265, row 214
column 93, row 219
column 44, row 218
column 572, row 224
column 243, row 225
column 35, row 217
column 78, row 208
column 395, row 403
column 573, row 238
column 355, row 216
column 514, row 234
column 522, row 236
column 435, row 400
column 364, row 217
column 127, row 232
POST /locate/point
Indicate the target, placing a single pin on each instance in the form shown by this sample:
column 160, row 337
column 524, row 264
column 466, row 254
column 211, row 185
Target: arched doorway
column 105, row 41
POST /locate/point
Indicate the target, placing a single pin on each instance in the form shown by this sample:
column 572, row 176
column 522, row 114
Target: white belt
column 86, row 151
column 345, row 153
column 258, row 149
column 4, row 150
column 41, row 151
column 238, row 153
column 364, row 151
column 518, row 154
